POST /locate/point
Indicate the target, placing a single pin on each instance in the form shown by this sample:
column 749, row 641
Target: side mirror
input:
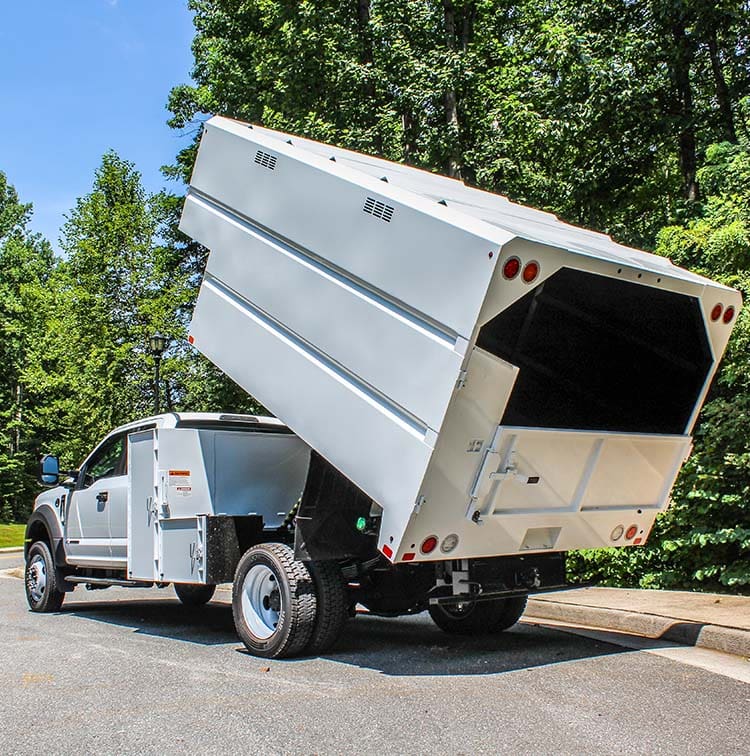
column 49, row 470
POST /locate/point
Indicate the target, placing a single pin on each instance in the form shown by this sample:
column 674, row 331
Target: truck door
column 101, row 484
column 118, row 505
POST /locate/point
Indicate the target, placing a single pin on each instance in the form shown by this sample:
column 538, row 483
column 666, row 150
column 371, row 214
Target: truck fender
column 43, row 525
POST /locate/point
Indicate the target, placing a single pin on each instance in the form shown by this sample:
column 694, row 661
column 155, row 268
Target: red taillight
column 530, row 272
column 429, row 544
column 511, row 267
column 630, row 532
column 728, row 314
column 387, row 550
column 408, row 556
column 716, row 312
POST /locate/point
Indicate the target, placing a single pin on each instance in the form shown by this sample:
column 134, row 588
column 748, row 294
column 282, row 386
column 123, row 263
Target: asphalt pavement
column 133, row 671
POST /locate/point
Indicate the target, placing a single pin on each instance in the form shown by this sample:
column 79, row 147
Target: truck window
column 106, row 462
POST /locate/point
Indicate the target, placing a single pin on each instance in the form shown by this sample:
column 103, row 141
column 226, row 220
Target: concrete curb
column 730, row 640
column 11, row 550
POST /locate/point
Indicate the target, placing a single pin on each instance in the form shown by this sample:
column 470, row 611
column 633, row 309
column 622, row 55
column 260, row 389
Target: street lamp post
column 158, row 345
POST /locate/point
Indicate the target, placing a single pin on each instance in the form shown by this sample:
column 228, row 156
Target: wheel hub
column 36, row 578
column 261, row 601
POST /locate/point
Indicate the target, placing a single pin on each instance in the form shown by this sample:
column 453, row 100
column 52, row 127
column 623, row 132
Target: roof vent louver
column 265, row 159
column 378, row 209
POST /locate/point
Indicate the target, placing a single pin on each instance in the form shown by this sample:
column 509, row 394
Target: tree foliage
column 25, row 262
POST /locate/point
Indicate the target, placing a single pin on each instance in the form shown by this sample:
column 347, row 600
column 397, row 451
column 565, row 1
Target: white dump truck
column 469, row 388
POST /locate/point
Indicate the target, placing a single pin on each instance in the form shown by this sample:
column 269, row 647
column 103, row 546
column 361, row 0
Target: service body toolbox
column 191, row 493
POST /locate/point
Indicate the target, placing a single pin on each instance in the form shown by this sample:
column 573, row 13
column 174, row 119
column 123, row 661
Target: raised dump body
column 490, row 376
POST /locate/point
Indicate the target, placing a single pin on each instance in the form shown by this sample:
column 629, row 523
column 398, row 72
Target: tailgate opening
column 597, row 353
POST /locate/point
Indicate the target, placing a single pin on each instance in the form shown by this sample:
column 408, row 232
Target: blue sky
column 78, row 77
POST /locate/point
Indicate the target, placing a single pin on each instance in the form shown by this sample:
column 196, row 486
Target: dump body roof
column 522, row 221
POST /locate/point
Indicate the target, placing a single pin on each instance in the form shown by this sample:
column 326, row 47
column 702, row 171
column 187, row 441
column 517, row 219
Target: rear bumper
column 503, row 577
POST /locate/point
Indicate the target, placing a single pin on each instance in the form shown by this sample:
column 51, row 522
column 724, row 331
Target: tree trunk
column 366, row 62
column 19, row 419
column 450, row 98
column 722, row 90
column 410, row 126
column 683, row 59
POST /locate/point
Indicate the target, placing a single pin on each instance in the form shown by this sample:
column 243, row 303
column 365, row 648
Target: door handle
column 102, row 496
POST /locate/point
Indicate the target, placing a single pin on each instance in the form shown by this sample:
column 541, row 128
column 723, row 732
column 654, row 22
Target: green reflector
column 361, row 523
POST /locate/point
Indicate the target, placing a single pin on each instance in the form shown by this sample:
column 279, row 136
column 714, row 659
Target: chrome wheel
column 261, row 601
column 36, row 577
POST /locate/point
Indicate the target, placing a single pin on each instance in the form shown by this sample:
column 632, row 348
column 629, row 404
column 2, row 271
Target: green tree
column 91, row 370
column 26, row 261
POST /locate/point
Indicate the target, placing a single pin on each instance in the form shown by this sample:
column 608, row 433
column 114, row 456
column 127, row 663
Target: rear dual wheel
column 478, row 617
column 283, row 607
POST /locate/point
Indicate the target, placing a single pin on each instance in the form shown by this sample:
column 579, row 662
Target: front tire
column 478, row 617
column 273, row 602
column 194, row 594
column 43, row 592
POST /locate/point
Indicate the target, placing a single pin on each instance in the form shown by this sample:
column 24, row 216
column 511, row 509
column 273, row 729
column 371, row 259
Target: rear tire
column 273, row 601
column 194, row 594
column 43, row 592
column 478, row 617
column 333, row 606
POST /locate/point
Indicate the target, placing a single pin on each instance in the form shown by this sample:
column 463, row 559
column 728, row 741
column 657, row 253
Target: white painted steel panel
column 376, row 339
column 439, row 269
column 260, row 473
column 385, row 453
column 230, row 472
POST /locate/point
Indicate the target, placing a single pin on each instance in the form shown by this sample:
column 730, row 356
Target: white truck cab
column 90, row 509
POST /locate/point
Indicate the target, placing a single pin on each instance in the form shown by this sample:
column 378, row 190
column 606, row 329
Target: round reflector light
column 716, row 312
column 530, row 271
column 631, row 531
column 617, row 533
column 728, row 314
column 511, row 267
column 429, row 544
column 449, row 543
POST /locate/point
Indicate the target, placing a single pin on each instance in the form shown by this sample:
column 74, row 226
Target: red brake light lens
column 530, row 272
column 631, row 531
column 429, row 544
column 511, row 267
column 728, row 314
column 716, row 312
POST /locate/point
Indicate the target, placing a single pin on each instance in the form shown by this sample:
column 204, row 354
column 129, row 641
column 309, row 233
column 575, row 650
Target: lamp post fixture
column 158, row 345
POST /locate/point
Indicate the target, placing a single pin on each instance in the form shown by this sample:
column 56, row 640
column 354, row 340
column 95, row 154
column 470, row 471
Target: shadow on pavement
column 409, row 646
column 404, row 646
column 208, row 625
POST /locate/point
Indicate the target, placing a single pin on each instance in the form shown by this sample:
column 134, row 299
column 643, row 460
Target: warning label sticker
column 179, row 478
column 184, row 490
